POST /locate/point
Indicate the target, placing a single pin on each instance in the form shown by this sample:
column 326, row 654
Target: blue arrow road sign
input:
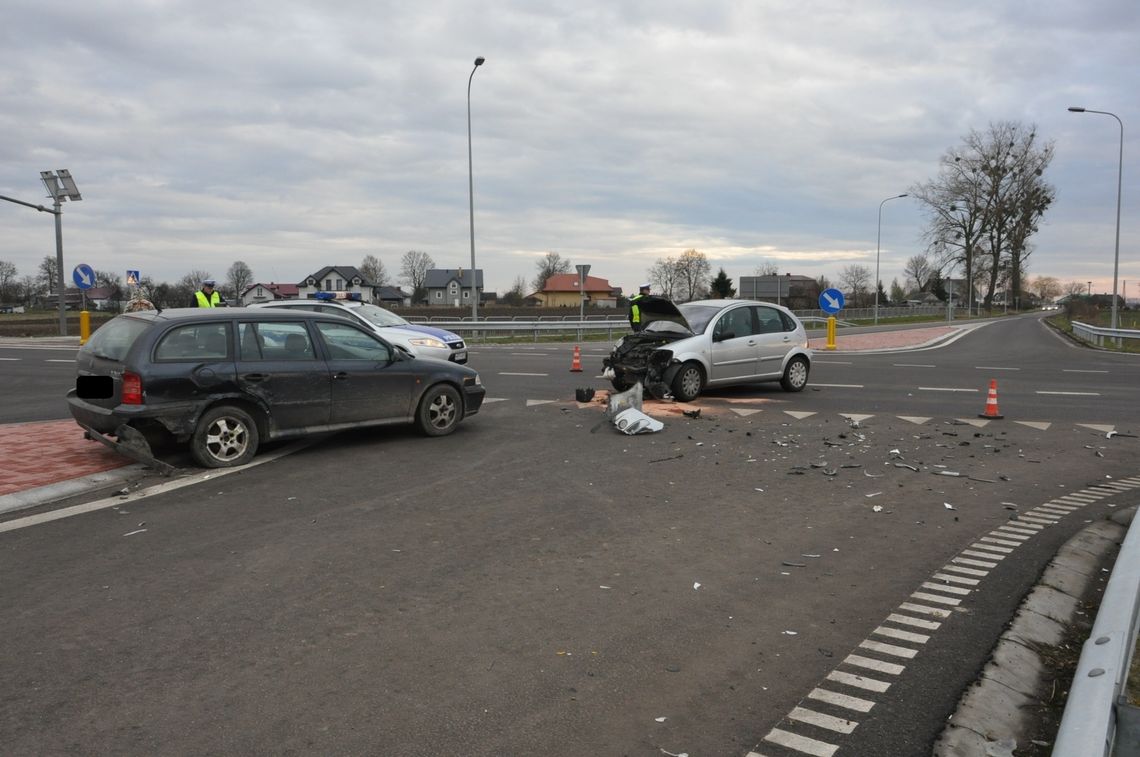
column 83, row 276
column 831, row 300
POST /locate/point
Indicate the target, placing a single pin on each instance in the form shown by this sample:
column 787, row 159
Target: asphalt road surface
column 538, row 583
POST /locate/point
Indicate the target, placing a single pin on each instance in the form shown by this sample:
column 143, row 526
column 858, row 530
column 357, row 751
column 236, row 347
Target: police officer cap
column 644, row 286
column 209, row 283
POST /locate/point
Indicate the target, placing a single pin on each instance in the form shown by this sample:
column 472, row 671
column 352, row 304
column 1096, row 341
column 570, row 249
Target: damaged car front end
column 644, row 355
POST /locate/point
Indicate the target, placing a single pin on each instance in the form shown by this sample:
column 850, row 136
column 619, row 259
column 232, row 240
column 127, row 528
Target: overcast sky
column 293, row 134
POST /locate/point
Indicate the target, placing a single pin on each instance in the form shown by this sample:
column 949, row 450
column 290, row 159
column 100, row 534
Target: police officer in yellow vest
column 207, row 297
column 634, row 310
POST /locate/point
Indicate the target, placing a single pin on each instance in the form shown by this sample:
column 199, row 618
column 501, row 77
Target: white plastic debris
column 633, row 421
column 660, row 720
column 696, row 586
column 948, row 505
column 877, row 508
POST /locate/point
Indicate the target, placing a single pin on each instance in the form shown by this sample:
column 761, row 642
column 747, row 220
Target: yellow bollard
column 84, row 326
column 831, row 333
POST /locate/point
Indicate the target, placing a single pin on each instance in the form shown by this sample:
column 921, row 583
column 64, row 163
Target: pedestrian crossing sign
column 132, row 278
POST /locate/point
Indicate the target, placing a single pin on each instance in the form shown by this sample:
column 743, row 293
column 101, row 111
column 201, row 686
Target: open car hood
column 655, row 308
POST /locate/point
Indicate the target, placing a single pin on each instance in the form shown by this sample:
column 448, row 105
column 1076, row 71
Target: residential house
column 267, row 292
column 392, row 297
column 451, row 287
column 562, row 290
column 337, row 278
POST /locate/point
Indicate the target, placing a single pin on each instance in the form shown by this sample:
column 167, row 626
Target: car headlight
column 428, row 341
column 473, row 380
column 620, row 342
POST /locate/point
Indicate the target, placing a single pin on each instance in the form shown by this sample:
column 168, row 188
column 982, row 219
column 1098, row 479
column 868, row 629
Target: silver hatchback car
column 683, row 349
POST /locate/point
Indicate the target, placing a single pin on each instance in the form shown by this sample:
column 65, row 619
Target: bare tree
column 8, row 281
column 47, row 273
column 1075, row 288
column 516, row 293
column 663, row 277
column 238, row 278
column 856, row 278
column 918, row 269
column 987, row 201
column 373, row 271
column 767, row 268
column 413, row 270
column 693, row 273
column 1047, row 287
column 548, row 265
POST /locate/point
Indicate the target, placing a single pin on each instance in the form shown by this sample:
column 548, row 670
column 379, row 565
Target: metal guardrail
column 1097, row 334
column 1089, row 723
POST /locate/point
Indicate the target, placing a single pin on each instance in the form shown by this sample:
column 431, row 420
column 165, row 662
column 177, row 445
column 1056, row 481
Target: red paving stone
column 883, row 340
column 38, row 454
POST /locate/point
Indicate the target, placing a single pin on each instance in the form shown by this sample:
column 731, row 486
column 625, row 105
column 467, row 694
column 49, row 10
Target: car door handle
column 340, row 375
column 255, row 377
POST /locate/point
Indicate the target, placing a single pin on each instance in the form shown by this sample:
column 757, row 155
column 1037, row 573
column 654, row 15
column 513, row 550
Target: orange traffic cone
column 576, row 364
column 991, row 403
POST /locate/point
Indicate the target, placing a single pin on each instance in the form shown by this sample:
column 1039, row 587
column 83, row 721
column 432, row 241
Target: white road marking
column 102, row 504
column 918, row 420
column 504, row 373
column 801, row 743
column 925, row 597
column 845, row 701
column 1035, row 424
column 818, row 719
column 1096, row 427
column 745, row 413
column 839, row 386
column 59, row 360
column 860, row 661
column 892, row 649
column 943, row 587
column 859, row 682
column 1072, row 394
column 994, row 368
column 937, row 612
column 799, row 414
column 10, row 358
column 895, row 633
column 494, row 399
column 855, row 417
column 532, row 403
column 833, row 362
column 914, row 365
column 906, row 620
column 1077, row 370
column 943, row 389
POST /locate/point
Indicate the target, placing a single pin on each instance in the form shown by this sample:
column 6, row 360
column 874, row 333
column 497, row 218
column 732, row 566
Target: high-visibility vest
column 634, row 310
column 213, row 301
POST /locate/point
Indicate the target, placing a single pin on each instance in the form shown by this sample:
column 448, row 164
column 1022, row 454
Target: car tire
column 225, row 436
column 688, row 382
column 440, row 410
column 795, row 376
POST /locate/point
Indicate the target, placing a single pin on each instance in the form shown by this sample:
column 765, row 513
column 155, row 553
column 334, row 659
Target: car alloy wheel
column 224, row 437
column 440, row 410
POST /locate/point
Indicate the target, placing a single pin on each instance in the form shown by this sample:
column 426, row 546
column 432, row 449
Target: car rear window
column 114, row 338
column 195, row 341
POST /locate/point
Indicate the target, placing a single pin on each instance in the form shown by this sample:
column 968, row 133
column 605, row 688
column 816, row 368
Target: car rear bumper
column 179, row 419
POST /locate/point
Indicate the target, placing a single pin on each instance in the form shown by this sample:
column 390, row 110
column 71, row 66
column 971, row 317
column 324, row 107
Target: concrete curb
column 995, row 712
column 42, row 495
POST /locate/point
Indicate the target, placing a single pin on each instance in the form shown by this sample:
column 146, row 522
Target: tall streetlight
column 60, row 187
column 878, row 243
column 1119, row 179
column 471, row 195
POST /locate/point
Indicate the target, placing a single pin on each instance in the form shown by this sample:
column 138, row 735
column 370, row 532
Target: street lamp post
column 60, row 186
column 1119, row 180
column 471, row 195
column 878, row 243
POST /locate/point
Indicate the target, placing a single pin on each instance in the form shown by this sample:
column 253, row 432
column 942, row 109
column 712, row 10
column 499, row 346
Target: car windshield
column 380, row 316
column 114, row 338
column 698, row 314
